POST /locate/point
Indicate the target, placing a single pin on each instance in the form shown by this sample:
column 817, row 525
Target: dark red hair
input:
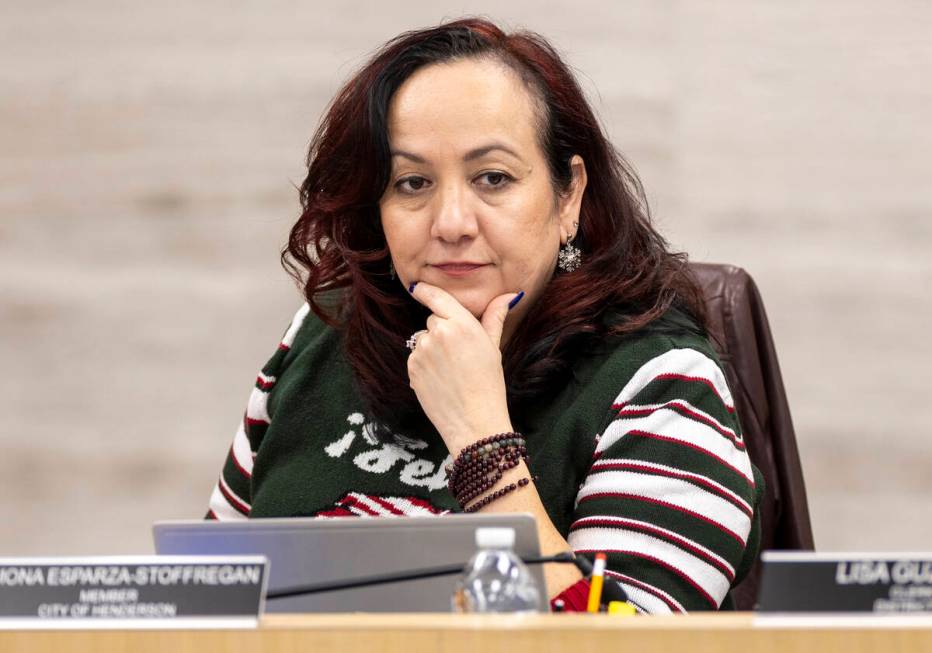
column 628, row 278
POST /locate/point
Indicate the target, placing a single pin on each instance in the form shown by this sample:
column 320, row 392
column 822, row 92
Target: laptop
column 304, row 551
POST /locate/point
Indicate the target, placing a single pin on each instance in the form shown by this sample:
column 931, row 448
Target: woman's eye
column 494, row 179
column 411, row 184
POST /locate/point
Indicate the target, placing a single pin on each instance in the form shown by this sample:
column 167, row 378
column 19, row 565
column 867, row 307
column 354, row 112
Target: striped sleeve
column 231, row 497
column 669, row 495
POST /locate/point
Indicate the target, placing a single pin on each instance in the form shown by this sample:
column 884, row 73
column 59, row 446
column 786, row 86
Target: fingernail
column 411, row 287
column 514, row 302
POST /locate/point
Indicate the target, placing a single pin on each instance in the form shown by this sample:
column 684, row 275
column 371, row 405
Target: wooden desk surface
column 416, row 633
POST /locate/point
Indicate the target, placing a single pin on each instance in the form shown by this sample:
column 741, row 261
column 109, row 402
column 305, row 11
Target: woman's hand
column 456, row 372
column 456, row 368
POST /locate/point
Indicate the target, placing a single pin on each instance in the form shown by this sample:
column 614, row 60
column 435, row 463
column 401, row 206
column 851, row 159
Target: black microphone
column 610, row 588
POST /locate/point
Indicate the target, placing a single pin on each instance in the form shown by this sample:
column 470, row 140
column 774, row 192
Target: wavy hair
column 628, row 279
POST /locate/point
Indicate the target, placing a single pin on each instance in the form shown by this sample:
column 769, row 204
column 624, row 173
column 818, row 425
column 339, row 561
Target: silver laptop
column 304, row 551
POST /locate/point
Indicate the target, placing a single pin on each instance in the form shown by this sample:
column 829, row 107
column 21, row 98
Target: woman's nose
column 454, row 218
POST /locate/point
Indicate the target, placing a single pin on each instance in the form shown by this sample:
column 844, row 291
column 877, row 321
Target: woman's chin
column 473, row 300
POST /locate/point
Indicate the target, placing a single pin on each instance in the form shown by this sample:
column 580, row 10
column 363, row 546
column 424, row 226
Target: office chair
column 741, row 335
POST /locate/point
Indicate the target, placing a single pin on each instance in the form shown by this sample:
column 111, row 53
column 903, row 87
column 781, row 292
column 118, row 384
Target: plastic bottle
column 495, row 579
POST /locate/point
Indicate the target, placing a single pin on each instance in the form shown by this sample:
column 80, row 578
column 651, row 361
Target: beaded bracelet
column 473, row 471
column 477, row 486
column 481, row 459
column 481, row 465
column 498, row 494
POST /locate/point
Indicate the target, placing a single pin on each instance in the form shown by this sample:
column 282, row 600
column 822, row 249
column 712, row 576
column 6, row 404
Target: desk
column 413, row 633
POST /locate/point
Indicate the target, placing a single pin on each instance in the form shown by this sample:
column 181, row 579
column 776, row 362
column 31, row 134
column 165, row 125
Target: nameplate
column 878, row 583
column 132, row 591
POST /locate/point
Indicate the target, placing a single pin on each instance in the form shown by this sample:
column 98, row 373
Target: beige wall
column 146, row 183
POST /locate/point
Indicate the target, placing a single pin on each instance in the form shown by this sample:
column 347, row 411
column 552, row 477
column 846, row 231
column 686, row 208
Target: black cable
column 611, row 588
column 584, row 566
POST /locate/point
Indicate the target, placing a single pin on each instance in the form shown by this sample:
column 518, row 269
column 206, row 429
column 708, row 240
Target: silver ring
column 412, row 341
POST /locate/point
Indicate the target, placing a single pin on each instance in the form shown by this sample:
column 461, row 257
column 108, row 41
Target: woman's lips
column 458, row 269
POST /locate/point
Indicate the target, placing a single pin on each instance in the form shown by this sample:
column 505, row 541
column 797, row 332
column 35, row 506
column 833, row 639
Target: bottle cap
column 495, row 538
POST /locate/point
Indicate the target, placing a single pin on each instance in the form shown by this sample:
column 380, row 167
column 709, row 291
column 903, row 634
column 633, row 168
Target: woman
column 493, row 325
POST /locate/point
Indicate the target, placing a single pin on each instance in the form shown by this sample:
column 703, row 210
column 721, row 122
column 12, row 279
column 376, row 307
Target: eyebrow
column 471, row 155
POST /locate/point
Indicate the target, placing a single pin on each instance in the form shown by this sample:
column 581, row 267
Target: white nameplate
column 132, row 592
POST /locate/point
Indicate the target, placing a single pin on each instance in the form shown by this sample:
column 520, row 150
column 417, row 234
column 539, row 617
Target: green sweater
column 640, row 455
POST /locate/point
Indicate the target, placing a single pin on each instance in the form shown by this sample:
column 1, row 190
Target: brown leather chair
column 741, row 334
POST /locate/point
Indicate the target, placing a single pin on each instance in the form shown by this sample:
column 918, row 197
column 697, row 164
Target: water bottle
column 495, row 579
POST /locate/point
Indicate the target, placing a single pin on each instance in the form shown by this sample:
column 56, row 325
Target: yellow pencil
column 595, row 583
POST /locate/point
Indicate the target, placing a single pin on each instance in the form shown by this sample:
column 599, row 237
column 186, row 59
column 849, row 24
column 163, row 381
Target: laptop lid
column 302, row 551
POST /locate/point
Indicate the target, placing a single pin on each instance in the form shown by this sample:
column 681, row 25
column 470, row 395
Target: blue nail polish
column 411, row 287
column 514, row 302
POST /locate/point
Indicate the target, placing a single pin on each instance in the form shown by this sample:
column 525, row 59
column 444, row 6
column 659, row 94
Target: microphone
column 611, row 589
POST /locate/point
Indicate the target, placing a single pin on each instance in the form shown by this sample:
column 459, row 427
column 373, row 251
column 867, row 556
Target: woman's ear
column 569, row 202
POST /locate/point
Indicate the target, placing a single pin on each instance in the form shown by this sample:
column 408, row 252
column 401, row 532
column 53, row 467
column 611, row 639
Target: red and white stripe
column 646, row 467
column 257, row 410
column 670, row 492
column 339, row 511
column 361, row 507
column 368, row 505
column 649, row 598
column 415, row 507
column 265, row 382
column 240, row 504
column 609, row 526
column 241, row 451
column 686, row 364
column 670, row 426
column 686, row 409
column 221, row 507
column 295, row 326
column 706, row 579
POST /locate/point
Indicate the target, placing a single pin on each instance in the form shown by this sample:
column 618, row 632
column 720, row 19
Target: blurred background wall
column 149, row 154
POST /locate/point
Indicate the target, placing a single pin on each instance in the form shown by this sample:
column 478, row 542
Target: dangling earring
column 569, row 257
column 391, row 270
